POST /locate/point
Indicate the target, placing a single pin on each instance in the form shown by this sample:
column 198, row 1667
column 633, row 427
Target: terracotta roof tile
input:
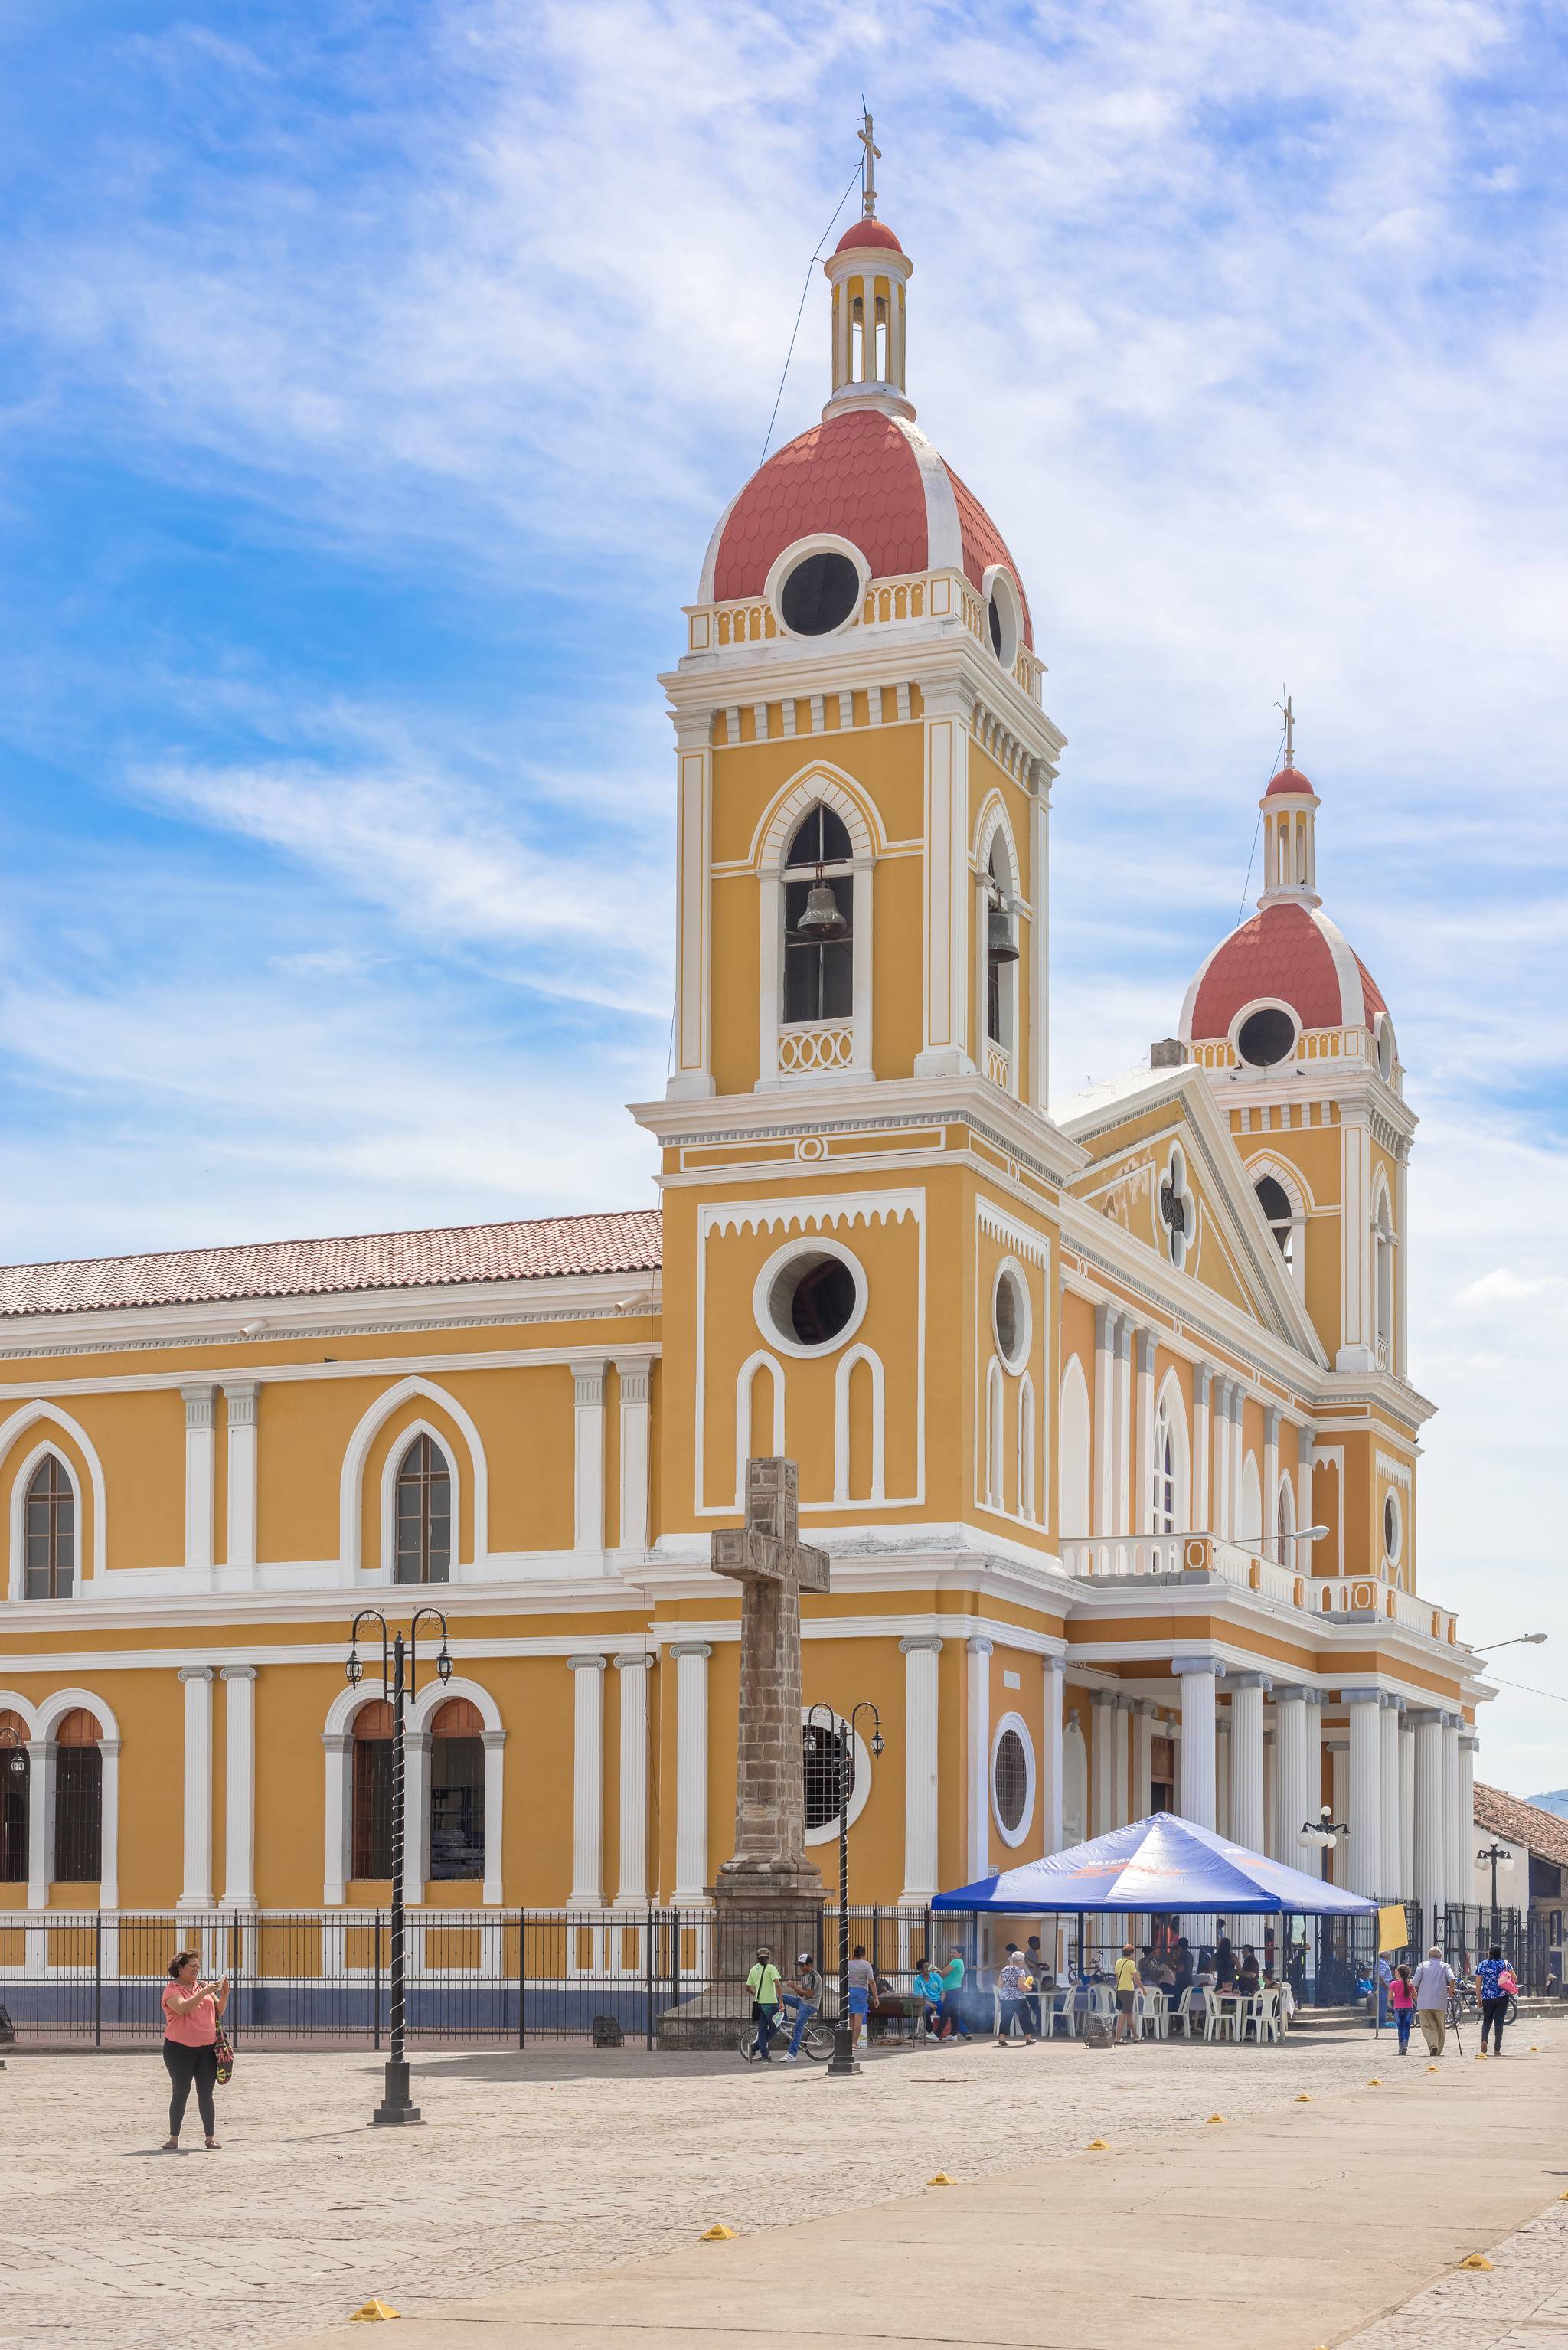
column 626, row 1242
column 1518, row 1823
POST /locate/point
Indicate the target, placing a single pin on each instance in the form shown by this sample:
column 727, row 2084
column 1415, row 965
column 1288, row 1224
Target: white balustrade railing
column 1087, row 1557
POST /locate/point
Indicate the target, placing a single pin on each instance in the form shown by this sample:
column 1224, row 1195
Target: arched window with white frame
column 1027, row 1507
column 49, row 1531
column 423, row 1520
column 1076, row 1455
column 1383, row 1281
column 1163, row 1519
column 815, row 852
column 819, row 921
column 1286, row 1524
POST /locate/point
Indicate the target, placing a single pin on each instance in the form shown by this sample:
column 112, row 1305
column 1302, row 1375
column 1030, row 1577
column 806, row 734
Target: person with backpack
column 1494, row 1982
column 192, row 2010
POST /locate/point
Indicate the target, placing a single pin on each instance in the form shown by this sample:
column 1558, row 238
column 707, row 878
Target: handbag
column 224, row 2049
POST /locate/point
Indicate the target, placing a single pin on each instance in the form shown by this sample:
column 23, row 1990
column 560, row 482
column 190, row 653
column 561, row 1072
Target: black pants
column 187, row 2064
column 1014, row 2011
column 1492, row 2012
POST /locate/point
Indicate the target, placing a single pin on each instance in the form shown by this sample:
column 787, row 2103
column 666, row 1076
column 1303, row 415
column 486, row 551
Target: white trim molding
column 351, row 1484
column 28, row 1415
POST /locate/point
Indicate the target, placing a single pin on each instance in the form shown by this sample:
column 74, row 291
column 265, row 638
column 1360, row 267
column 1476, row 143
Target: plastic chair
column 1150, row 2014
column 1180, row 2017
column 1060, row 2007
column 1102, row 2000
column 1266, row 2016
column 1216, row 2020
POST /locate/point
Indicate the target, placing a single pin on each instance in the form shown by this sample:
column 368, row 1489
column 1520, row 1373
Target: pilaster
column 196, row 1886
column 920, row 1805
column 238, row 1787
column 588, row 1782
column 690, row 1888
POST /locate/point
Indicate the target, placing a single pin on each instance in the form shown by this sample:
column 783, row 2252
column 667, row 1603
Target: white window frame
column 800, row 796
column 1013, row 1837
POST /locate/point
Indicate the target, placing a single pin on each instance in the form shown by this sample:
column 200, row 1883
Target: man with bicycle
column 803, row 1994
column 763, row 1982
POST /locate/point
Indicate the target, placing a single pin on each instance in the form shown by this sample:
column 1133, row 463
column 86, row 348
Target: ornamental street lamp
column 843, row 2063
column 1324, row 1832
column 18, row 1745
column 400, row 1676
column 1500, row 1856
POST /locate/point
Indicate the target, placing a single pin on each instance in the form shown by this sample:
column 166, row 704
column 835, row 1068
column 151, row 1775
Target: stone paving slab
column 543, row 2168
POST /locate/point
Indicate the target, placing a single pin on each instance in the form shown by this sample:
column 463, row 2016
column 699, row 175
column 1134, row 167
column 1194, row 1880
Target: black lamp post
column 843, row 2062
column 1496, row 1852
column 1324, row 1831
column 400, row 1672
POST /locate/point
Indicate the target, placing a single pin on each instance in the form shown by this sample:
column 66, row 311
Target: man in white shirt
column 1434, row 1981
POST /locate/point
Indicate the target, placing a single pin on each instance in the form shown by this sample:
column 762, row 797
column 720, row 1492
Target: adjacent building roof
column 627, row 1242
column 1516, row 1822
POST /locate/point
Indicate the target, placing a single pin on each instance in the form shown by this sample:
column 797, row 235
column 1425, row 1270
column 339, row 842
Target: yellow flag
column 1393, row 1928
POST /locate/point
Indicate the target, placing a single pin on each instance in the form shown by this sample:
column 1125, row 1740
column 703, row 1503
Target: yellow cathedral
column 1104, row 1420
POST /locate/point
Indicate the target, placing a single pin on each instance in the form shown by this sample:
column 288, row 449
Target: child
column 1402, row 2000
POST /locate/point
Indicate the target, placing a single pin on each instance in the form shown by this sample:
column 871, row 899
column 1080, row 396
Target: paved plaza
column 537, row 2172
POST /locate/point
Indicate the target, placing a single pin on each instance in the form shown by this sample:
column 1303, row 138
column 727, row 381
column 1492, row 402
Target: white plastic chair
column 1216, row 2020
column 1102, row 2000
column 1150, row 2014
column 1266, row 2020
column 1060, row 2007
column 1180, row 2017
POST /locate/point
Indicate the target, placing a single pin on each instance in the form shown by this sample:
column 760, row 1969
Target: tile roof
column 626, row 1242
column 1516, row 1822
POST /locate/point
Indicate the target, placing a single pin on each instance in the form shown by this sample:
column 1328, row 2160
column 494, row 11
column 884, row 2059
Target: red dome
column 1289, row 779
column 1291, row 954
column 863, row 232
column 868, row 477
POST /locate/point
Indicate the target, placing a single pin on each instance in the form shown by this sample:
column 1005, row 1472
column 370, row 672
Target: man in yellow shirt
column 765, row 1982
column 1127, row 1994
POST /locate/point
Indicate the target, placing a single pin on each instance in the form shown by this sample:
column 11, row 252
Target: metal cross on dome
column 873, row 157
column 1288, row 716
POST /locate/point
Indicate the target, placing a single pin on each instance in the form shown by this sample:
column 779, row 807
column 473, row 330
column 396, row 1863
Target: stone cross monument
column 769, row 1869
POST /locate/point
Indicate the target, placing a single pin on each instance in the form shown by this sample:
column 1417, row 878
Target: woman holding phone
column 191, row 2012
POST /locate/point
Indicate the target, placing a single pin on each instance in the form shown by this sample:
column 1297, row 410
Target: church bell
column 1000, row 944
column 822, row 919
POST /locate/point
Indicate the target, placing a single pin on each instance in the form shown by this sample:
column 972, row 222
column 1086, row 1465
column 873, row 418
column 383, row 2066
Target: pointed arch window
column 1001, row 949
column 457, row 1790
column 423, row 1524
column 1165, row 1501
column 1274, row 1202
column 78, row 1799
column 372, row 1834
column 49, row 1531
column 819, row 920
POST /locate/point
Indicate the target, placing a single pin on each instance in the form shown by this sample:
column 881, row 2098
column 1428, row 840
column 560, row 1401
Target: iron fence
column 1529, row 1939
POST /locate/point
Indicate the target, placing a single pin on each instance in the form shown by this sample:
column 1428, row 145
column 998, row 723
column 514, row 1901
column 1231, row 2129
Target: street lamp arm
column 1520, row 1640
column 354, row 1669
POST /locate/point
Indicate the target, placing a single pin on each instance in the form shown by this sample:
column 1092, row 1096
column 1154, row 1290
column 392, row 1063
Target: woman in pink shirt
column 191, row 2012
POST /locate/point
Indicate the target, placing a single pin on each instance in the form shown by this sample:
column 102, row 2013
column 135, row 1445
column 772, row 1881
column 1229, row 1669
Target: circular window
column 1392, row 1529
column 819, row 594
column 1004, row 614
column 811, row 1297
column 995, row 616
column 1266, row 1036
column 1012, row 1779
column 1384, row 1048
column 1009, row 1317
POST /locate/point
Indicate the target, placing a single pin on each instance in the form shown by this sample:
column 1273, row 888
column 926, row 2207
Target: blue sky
column 371, row 379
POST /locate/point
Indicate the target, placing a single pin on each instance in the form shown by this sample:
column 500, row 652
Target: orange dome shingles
column 983, row 544
column 856, row 476
column 1280, row 953
column 627, row 1242
column 1370, row 990
column 1289, row 779
column 861, row 234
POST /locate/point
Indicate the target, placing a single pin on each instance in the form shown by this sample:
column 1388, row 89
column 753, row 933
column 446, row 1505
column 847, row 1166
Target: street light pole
column 399, row 1681
column 1495, row 1853
column 842, row 2063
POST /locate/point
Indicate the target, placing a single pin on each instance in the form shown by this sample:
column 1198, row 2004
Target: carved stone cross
column 772, row 1568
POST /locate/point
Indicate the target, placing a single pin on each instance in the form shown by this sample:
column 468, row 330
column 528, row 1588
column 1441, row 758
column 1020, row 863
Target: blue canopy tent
column 1159, row 1864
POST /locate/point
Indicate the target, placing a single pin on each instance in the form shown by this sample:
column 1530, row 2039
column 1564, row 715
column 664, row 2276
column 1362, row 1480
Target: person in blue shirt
column 1494, row 1993
column 928, row 1988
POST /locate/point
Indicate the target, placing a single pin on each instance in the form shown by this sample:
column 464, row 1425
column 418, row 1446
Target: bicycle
column 815, row 2040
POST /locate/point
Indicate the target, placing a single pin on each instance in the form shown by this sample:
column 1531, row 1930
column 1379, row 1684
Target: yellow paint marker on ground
column 941, row 2180
column 1215, row 2117
column 1304, row 2097
column 1376, row 2082
column 1098, row 2146
column 372, row 2312
column 717, row 2234
column 1434, row 2068
column 1476, row 2261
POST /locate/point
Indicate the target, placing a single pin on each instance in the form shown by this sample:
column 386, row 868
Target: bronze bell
column 822, row 919
column 1000, row 944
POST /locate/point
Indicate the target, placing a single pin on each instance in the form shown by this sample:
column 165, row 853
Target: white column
column 1123, row 1520
column 690, row 1774
column 920, row 1815
column 199, row 1471
column 238, row 1787
column 588, row 1457
column 1051, row 1759
column 1458, row 1887
column 1143, row 1720
column 944, row 1051
column 1465, row 1838
column 1039, row 932
column 1270, row 1546
column 1143, row 1471
column 1401, row 1261
column 1364, row 1816
column 1314, row 1754
column 1221, row 1770
column 1123, row 1761
column 1297, row 1803
column 1198, row 1677
column 1221, row 1510
column 1395, row 1884
column 979, row 1789
column 240, row 1546
column 337, row 1860
column 1432, row 1842
column 1272, row 1843
column 1247, row 1760
column 631, row 1883
column 495, row 1744
column 634, row 1383
column 1338, row 1748
column 41, row 1752
column 1103, row 1432
column 588, row 1782
column 1237, row 1455
column 693, row 1078
column 1407, row 1804
column 1105, row 1722
column 196, row 1890
column 417, row 1814
column 1202, row 1519
column 109, row 1824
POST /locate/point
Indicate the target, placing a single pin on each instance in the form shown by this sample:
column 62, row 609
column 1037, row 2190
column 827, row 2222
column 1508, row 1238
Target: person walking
column 1013, row 1999
column 1402, row 2005
column 191, row 2010
column 1035, row 1966
column 1493, row 1996
column 803, row 1993
column 763, row 1983
column 862, row 1991
column 1433, row 1984
column 953, row 1996
column 1127, row 1995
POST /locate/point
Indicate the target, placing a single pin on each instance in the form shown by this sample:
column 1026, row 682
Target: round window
column 812, row 1298
column 1385, row 1048
column 1011, row 1780
column 1266, row 1036
column 1391, row 1526
column 819, row 594
column 993, row 616
column 1009, row 1312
